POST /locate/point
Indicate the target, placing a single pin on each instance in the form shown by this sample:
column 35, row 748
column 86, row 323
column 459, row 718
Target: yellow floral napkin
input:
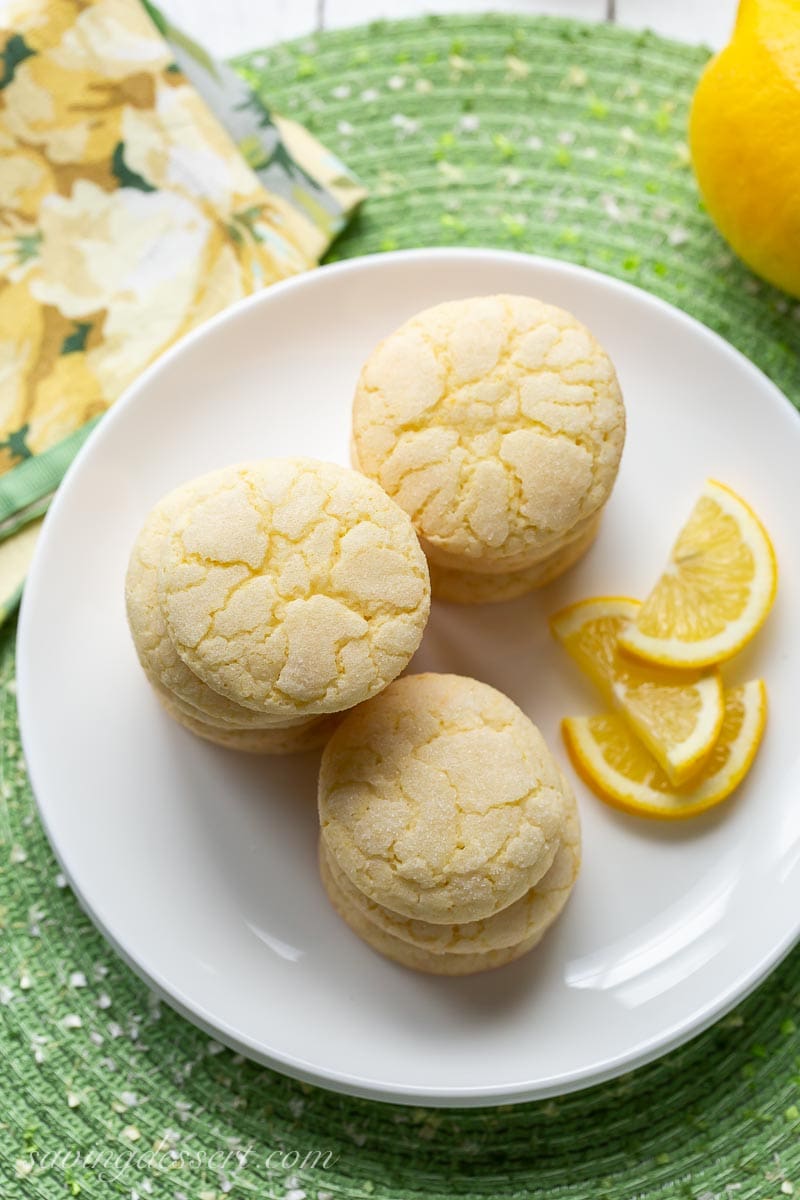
column 128, row 215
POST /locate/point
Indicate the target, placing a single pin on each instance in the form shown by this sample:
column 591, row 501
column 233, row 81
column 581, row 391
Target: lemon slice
column 677, row 714
column 717, row 589
column 617, row 767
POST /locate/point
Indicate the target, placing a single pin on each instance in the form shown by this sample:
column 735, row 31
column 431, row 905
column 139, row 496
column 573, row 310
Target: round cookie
column 440, row 800
column 473, row 587
column 526, row 918
column 294, row 739
column 497, row 423
column 293, row 587
column 412, row 956
column 160, row 661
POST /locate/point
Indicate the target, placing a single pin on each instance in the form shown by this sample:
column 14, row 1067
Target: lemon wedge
column 677, row 714
column 716, row 591
column 618, row 768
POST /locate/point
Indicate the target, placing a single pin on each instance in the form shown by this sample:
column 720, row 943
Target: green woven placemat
column 540, row 135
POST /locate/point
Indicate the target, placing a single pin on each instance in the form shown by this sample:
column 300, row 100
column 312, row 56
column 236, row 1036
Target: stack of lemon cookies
column 266, row 598
column 497, row 423
column 450, row 840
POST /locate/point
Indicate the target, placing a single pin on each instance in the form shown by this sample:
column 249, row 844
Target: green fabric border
column 26, row 486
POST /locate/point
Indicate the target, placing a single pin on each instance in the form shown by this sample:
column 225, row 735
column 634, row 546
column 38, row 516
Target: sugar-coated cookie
column 161, row 662
column 527, row 917
column 407, row 954
column 309, row 734
column 440, row 800
column 477, row 587
column 293, row 587
column 497, row 423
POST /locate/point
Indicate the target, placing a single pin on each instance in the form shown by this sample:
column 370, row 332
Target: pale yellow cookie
column 160, row 660
column 415, row 957
column 497, row 423
column 293, row 587
column 295, row 739
column 440, row 800
column 473, row 587
column 531, row 915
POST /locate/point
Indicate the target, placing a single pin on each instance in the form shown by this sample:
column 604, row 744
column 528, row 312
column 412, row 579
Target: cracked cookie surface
column 293, row 587
column 415, row 957
column 440, row 800
column 497, row 423
column 530, row 916
column 473, row 587
column 163, row 666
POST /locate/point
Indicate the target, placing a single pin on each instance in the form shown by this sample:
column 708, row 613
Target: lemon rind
column 675, row 652
column 573, row 616
column 687, row 757
column 618, row 791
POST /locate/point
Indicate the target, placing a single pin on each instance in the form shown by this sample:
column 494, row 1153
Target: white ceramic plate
column 199, row 865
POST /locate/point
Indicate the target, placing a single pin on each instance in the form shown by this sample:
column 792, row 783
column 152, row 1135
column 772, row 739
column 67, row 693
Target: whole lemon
column 744, row 133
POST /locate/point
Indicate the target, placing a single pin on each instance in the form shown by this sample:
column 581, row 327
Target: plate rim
column 483, row 1095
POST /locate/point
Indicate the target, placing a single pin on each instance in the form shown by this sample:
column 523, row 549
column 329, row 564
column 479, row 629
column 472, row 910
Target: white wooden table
column 236, row 25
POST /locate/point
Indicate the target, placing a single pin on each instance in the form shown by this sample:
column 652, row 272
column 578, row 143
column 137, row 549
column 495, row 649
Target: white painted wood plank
column 235, row 26
column 706, row 21
column 339, row 13
column 239, row 25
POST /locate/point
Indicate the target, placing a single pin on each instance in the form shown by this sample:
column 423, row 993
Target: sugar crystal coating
column 189, row 696
column 440, row 800
column 497, row 423
column 531, row 915
column 293, row 587
column 474, row 587
column 296, row 738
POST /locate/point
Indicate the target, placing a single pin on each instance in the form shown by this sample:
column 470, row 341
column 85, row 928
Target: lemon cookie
column 440, row 800
column 497, row 423
column 407, row 954
column 293, row 587
column 474, row 587
column 309, row 734
column 516, row 925
column 161, row 662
